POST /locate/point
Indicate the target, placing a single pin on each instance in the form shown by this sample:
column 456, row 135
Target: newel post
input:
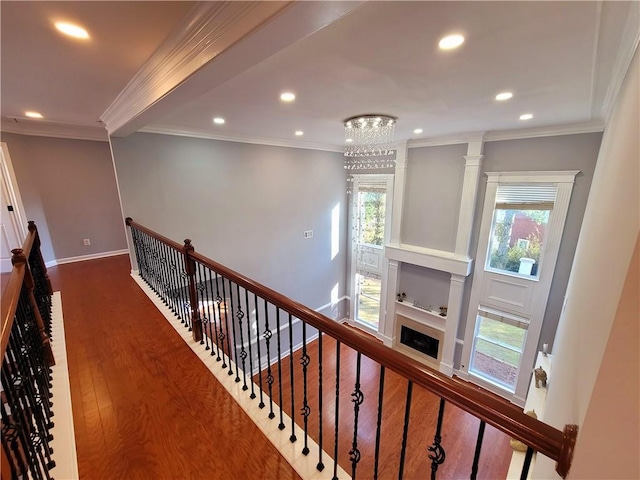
column 19, row 257
column 569, row 437
column 190, row 268
column 36, row 246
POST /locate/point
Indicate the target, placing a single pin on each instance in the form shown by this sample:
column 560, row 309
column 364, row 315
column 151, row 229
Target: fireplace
column 420, row 341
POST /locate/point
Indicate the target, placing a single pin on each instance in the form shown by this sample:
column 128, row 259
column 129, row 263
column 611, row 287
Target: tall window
column 520, row 234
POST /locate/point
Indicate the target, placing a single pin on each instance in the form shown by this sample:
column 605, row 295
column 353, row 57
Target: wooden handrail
column 175, row 245
column 543, row 438
column 11, row 293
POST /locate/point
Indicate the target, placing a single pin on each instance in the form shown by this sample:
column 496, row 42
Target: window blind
column 531, row 196
column 503, row 317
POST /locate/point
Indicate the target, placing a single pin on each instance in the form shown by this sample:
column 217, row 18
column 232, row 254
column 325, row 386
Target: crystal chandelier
column 369, row 142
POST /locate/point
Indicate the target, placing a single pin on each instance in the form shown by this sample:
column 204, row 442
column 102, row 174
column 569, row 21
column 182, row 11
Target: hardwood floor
column 144, row 406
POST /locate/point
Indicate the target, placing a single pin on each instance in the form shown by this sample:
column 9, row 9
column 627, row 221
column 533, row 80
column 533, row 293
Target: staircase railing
column 242, row 323
column 27, row 359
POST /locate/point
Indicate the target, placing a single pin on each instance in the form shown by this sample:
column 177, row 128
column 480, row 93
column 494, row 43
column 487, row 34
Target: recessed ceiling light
column 72, row 30
column 417, row 130
column 287, row 97
column 218, row 120
column 299, row 133
column 504, row 96
column 526, row 116
column 451, row 41
column 33, row 115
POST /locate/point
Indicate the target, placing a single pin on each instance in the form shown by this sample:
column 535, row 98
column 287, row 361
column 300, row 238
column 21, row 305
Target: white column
column 398, row 193
column 456, row 292
column 473, row 162
column 387, row 330
column 469, row 195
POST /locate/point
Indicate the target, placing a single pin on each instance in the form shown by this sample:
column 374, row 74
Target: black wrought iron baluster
column 243, row 353
column 267, row 338
column 186, row 302
column 153, row 259
column 221, row 333
column 32, row 387
column 226, row 322
column 292, row 438
column 376, row 457
column 337, row 413
column 320, row 465
column 174, row 265
column 306, row 410
column 14, row 429
column 147, row 258
column 527, row 464
column 233, row 329
column 33, row 361
column 203, row 305
column 171, row 268
column 156, row 267
column 11, row 430
column 405, row 429
column 281, row 424
column 166, row 255
column 215, row 347
column 248, row 310
column 255, row 303
column 143, row 257
column 161, row 273
column 14, row 390
column 183, row 303
column 437, row 455
column 357, row 397
column 476, row 456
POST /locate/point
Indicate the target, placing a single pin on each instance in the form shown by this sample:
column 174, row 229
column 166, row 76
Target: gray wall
column 245, row 206
column 425, row 285
column 567, row 152
column 68, row 188
column 433, row 192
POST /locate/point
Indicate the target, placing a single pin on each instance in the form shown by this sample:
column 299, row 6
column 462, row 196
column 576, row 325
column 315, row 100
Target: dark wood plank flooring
column 144, row 406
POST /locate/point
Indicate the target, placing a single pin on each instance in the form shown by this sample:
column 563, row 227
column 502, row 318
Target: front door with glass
column 371, row 212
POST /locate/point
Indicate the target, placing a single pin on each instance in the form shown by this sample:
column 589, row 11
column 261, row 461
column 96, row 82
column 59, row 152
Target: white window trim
column 565, row 181
column 386, row 180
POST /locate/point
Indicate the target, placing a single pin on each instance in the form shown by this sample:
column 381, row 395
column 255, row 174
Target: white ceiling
column 560, row 60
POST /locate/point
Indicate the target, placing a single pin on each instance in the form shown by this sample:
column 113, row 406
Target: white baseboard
column 64, row 443
column 82, row 258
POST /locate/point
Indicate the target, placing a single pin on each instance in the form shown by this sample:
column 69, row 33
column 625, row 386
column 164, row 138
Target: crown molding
column 497, row 135
column 628, row 46
column 54, row 129
column 216, row 42
column 207, row 31
column 273, row 142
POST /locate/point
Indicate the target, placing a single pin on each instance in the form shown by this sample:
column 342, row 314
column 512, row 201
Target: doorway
column 371, row 215
column 13, row 226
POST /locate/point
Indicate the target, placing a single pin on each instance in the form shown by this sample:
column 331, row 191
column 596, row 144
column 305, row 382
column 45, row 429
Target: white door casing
column 513, row 294
column 370, row 258
column 13, row 223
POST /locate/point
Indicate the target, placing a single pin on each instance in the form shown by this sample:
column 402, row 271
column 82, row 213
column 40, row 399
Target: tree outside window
column 517, row 234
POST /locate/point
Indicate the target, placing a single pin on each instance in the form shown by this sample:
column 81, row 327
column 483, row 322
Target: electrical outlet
column 308, row 233
column 87, row 241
